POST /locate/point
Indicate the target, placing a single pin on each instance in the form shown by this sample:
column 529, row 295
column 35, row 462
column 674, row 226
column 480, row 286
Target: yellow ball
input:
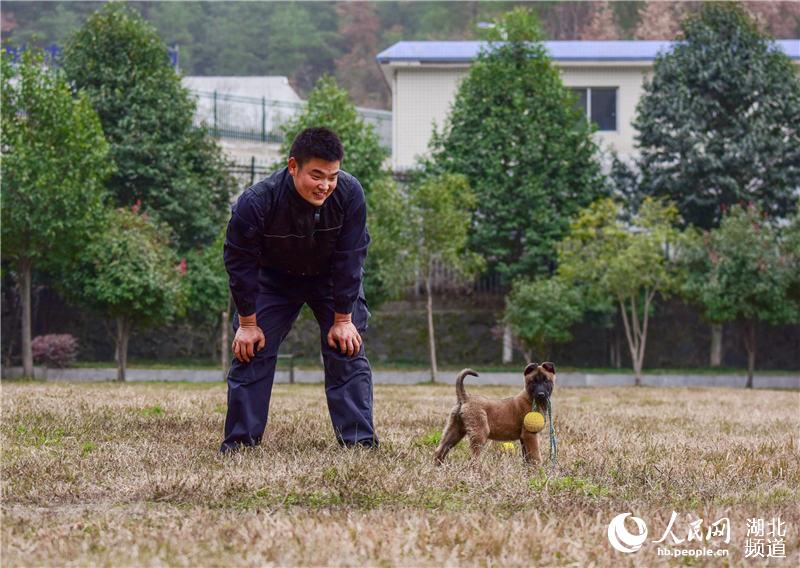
column 534, row 422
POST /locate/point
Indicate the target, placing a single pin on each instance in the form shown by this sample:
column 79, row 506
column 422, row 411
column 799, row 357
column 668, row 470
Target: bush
column 55, row 350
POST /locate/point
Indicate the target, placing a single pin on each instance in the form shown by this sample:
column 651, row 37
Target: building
column 609, row 75
column 246, row 114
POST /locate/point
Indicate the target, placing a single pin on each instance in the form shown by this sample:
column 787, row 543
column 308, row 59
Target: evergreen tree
column 525, row 149
column 720, row 121
column 176, row 171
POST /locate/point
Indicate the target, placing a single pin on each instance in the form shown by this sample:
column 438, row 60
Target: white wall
column 422, row 95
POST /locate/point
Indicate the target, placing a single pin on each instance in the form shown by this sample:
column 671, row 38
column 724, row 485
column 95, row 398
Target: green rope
column 553, row 440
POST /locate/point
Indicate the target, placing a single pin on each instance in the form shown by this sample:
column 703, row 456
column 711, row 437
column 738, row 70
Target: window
column 600, row 104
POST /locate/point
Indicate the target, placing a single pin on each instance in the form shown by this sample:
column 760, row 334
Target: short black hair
column 318, row 142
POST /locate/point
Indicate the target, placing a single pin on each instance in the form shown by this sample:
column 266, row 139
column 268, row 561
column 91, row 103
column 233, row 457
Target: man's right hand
column 248, row 339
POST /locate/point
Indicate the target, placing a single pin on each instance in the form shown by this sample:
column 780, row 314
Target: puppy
column 482, row 419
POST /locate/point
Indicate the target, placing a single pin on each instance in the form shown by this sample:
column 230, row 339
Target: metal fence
column 257, row 119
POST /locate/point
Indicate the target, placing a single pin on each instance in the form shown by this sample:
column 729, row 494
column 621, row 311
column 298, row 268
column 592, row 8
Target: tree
column 746, row 274
column 662, row 20
column 360, row 28
column 525, row 148
column 364, row 157
column 625, row 262
column 435, row 210
column 129, row 274
column 602, row 25
column 161, row 160
column 541, row 312
column 207, row 293
column 54, row 165
column 720, row 121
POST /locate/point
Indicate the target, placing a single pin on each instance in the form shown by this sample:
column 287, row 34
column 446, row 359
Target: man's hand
column 248, row 339
column 344, row 336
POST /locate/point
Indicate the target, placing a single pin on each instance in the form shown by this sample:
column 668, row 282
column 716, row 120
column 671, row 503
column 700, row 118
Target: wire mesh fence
column 257, row 119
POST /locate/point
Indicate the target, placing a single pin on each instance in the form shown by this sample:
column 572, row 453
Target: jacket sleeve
column 350, row 253
column 242, row 250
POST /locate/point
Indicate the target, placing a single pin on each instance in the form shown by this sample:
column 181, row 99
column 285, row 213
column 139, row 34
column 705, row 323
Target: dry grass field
column 124, row 475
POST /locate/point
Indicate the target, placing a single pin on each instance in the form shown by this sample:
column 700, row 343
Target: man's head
column 314, row 163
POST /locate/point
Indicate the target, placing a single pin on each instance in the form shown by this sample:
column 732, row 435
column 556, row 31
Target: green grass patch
column 568, row 484
column 153, row 411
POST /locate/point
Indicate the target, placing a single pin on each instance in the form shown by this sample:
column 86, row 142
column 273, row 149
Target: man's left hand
column 344, row 336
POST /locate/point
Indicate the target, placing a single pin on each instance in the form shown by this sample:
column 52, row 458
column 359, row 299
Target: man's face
column 315, row 180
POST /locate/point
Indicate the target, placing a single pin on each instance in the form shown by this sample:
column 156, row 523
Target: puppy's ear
column 549, row 367
column 530, row 368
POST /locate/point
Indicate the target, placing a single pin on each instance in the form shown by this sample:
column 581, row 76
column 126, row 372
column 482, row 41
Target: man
column 300, row 237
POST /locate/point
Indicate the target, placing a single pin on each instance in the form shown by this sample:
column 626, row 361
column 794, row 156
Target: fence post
column 263, row 119
column 216, row 132
column 252, row 170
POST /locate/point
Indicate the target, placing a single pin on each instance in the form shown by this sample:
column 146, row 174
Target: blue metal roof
column 466, row 51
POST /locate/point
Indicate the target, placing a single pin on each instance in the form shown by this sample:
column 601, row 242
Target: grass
column 128, row 474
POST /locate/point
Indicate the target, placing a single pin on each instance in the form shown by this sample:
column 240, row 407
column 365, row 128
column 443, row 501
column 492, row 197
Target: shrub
column 55, row 350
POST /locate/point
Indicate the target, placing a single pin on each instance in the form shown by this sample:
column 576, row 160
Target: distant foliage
column 55, row 350
column 306, row 40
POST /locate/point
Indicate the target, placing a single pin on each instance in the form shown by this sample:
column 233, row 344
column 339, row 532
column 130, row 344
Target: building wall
column 423, row 95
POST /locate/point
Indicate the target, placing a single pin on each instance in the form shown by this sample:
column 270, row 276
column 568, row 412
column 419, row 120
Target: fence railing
column 257, row 119
column 445, row 280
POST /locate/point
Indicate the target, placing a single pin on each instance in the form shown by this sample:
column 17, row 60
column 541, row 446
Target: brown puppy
column 482, row 419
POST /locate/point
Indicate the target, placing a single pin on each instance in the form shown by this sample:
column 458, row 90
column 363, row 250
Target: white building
column 424, row 78
column 245, row 113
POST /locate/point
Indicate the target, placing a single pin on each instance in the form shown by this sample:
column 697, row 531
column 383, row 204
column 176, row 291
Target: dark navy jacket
column 272, row 226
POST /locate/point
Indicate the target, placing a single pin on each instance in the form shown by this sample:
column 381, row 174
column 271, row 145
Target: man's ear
column 530, row 368
column 549, row 367
column 292, row 163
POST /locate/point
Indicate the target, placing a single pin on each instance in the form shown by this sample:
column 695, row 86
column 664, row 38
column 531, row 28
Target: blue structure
column 617, row 50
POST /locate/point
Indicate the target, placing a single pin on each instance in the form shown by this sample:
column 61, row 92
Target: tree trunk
column 636, row 331
column 431, row 337
column 716, row 345
column 25, row 275
column 508, row 350
column 123, row 334
column 750, row 347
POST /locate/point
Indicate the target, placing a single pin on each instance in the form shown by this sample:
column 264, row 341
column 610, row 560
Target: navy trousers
column 348, row 380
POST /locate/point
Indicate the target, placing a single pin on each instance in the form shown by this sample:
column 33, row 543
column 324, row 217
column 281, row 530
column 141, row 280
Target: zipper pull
column 317, row 215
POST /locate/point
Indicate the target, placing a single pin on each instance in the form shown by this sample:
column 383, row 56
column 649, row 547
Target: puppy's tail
column 461, row 394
